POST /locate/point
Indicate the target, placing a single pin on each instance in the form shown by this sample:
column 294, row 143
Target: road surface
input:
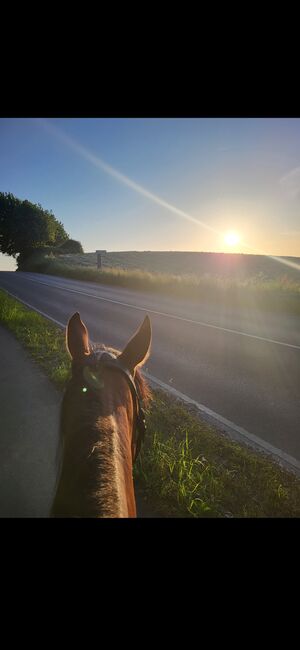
column 242, row 365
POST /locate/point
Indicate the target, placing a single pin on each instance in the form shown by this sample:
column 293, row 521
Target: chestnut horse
column 102, row 424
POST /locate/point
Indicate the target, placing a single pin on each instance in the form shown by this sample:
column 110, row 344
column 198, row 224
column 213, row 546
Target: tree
column 25, row 226
column 70, row 246
column 8, row 207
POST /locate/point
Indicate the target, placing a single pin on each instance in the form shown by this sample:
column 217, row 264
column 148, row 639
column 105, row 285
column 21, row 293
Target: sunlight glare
column 232, row 238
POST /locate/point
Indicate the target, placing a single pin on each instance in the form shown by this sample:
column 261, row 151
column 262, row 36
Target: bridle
column 91, row 368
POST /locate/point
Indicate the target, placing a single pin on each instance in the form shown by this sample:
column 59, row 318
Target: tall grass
column 279, row 295
column 177, row 477
column 187, row 469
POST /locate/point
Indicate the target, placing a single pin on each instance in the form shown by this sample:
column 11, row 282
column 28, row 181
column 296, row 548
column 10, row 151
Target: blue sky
column 220, row 174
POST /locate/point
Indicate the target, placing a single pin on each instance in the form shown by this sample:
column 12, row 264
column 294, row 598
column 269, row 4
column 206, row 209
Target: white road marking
column 235, row 430
column 252, row 439
column 161, row 313
column 35, row 309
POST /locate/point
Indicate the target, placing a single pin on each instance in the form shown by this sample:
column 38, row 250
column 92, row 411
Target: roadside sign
column 99, row 259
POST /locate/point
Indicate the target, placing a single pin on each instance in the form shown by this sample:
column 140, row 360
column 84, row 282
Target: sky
column 160, row 184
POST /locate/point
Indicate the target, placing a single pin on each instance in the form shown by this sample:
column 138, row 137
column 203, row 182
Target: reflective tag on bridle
column 93, row 378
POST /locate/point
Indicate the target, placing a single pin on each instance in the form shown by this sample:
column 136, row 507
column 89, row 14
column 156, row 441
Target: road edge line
column 233, row 430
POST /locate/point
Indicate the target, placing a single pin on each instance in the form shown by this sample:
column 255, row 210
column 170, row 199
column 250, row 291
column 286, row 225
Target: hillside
column 226, row 265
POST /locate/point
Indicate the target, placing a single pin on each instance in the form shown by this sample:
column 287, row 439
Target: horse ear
column 77, row 337
column 137, row 349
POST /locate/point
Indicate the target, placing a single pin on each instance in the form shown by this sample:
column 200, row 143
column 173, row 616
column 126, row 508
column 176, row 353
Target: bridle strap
column 110, row 361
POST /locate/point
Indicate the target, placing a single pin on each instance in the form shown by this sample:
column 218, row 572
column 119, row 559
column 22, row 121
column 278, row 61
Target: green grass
column 44, row 340
column 188, row 469
column 185, row 468
column 280, row 294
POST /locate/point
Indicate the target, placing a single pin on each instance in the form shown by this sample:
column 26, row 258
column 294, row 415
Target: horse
column 102, row 425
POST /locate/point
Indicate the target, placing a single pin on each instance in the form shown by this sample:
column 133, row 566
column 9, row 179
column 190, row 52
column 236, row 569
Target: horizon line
column 135, row 250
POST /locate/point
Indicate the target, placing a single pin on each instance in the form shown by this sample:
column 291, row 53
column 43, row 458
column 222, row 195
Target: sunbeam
column 125, row 180
column 101, row 164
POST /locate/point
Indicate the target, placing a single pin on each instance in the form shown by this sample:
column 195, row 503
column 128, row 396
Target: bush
column 39, row 258
column 70, row 246
column 31, row 255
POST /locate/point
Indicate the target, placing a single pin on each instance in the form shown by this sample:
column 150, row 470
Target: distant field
column 221, row 265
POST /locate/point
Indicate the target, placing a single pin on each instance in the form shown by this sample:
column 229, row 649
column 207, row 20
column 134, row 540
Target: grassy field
column 230, row 266
column 231, row 281
column 186, row 468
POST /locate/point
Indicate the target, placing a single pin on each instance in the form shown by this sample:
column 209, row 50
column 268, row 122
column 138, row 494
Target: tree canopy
column 25, row 226
column 71, row 246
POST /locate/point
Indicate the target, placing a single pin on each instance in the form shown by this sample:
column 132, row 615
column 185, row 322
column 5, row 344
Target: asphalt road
column 243, row 365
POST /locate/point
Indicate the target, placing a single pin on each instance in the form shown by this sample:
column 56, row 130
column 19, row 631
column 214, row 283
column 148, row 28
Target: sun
column 232, row 238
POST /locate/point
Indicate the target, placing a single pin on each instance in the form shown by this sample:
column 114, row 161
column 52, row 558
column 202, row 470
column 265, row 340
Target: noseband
column 92, row 367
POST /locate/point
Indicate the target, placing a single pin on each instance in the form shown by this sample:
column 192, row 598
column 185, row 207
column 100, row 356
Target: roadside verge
column 186, row 468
